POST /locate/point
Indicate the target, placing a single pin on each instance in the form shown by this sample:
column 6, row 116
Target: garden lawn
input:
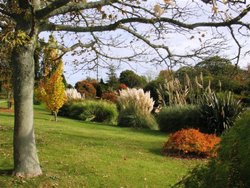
column 80, row 154
column 3, row 103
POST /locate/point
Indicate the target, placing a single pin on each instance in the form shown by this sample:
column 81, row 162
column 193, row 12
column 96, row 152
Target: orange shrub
column 191, row 142
column 110, row 96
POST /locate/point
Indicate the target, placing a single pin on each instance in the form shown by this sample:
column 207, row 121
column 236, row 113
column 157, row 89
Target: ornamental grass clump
column 191, row 143
column 73, row 94
column 135, row 108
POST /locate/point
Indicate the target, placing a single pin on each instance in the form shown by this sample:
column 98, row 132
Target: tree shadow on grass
column 156, row 151
column 7, row 115
column 6, row 172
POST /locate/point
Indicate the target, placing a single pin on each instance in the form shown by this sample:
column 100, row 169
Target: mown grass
column 3, row 103
column 79, row 154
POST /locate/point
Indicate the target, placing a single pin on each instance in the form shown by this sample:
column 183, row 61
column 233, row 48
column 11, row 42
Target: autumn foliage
column 110, row 96
column 51, row 88
column 191, row 142
column 122, row 86
column 52, row 91
column 86, row 88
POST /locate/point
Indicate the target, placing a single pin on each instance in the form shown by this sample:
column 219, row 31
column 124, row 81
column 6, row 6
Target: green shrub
column 89, row 110
column 174, row 118
column 104, row 111
column 131, row 117
column 64, row 110
column 231, row 167
column 219, row 111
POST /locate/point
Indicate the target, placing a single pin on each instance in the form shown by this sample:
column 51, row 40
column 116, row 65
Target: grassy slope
column 80, row 154
column 3, row 103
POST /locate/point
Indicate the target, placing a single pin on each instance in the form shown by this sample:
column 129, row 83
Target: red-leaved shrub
column 110, row 96
column 122, row 86
column 86, row 88
column 191, row 142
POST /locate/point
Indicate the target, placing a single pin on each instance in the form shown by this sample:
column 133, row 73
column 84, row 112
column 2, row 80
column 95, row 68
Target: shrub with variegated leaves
column 135, row 109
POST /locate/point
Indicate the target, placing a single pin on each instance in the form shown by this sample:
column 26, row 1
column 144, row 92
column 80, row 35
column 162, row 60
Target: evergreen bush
column 90, row 110
column 177, row 117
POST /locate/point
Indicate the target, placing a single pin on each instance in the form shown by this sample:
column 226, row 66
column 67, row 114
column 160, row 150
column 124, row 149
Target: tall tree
column 131, row 79
column 94, row 23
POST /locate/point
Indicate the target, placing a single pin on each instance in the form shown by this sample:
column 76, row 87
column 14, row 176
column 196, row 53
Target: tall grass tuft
column 135, row 108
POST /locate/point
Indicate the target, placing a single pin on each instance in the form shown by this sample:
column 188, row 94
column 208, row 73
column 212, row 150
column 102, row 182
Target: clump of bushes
column 231, row 167
column 177, row 117
column 191, row 142
column 90, row 110
column 135, row 108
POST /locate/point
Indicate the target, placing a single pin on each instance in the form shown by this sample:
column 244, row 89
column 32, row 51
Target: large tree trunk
column 26, row 163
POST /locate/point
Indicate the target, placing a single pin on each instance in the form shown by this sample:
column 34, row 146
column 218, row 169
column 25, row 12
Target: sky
column 180, row 43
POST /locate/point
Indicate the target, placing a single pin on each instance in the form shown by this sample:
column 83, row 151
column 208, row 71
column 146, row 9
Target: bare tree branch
column 237, row 43
column 115, row 25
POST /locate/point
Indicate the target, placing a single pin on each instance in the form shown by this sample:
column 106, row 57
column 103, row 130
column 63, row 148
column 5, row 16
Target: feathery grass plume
column 135, row 109
column 73, row 94
column 137, row 98
column 177, row 93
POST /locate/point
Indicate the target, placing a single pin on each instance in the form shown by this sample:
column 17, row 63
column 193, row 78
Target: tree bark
column 26, row 163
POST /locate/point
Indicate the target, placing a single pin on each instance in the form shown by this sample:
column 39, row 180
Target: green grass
column 79, row 154
column 3, row 103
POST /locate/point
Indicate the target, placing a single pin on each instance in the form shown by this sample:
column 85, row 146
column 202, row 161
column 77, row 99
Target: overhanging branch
column 115, row 25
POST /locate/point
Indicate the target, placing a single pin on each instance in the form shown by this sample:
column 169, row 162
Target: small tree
column 51, row 86
column 52, row 91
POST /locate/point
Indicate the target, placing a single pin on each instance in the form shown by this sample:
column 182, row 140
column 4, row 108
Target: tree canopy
column 131, row 79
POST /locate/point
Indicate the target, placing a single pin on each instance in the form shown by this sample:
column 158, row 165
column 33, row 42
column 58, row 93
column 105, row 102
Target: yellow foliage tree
column 51, row 87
